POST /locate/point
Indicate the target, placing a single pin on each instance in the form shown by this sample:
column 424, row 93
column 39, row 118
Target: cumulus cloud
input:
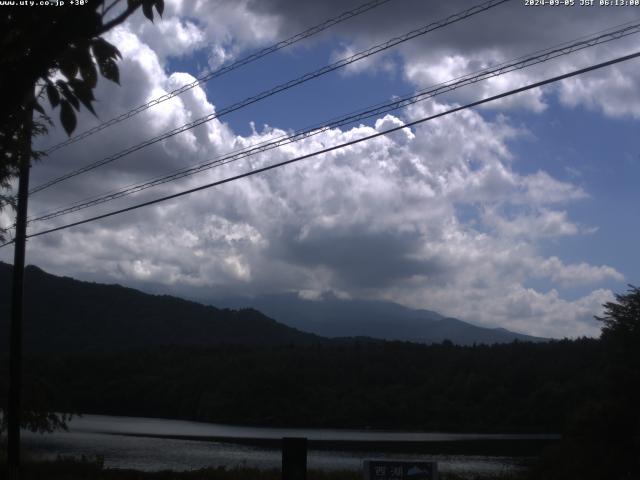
column 171, row 37
column 574, row 274
column 613, row 92
column 545, row 314
column 533, row 224
column 490, row 38
column 378, row 219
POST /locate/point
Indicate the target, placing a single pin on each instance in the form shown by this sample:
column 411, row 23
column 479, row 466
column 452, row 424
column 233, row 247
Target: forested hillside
column 516, row 387
column 67, row 315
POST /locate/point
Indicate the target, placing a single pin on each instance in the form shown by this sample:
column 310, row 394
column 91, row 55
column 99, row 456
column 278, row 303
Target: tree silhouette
column 54, row 52
column 621, row 344
column 602, row 437
column 621, row 320
column 58, row 53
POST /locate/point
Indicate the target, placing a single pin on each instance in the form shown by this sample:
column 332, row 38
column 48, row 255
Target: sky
column 519, row 214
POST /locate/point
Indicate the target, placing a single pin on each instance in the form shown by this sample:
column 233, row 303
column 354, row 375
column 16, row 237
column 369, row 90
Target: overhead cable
column 277, row 89
column 398, row 103
column 342, row 145
column 365, row 7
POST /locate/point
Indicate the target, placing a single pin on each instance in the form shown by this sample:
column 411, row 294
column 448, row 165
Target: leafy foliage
column 602, row 438
column 56, row 54
column 514, row 387
column 89, row 332
column 621, row 320
column 36, row 418
column 36, row 49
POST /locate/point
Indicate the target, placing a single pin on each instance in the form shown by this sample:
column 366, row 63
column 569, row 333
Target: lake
column 161, row 444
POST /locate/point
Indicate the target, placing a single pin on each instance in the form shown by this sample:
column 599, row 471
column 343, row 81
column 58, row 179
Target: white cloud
column 378, row 219
column 170, row 37
column 614, row 92
column 541, row 223
column 574, row 274
column 490, row 38
column 434, row 69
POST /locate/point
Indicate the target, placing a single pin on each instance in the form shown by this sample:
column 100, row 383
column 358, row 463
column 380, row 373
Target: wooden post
column 294, row 458
column 17, row 289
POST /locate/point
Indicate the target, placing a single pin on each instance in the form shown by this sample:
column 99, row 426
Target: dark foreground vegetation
column 500, row 388
column 568, row 386
column 589, row 390
column 69, row 469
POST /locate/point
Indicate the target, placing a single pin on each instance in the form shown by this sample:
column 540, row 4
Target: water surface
column 124, row 443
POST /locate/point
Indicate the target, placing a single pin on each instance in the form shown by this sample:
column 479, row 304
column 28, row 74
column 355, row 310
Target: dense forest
column 586, row 389
column 519, row 387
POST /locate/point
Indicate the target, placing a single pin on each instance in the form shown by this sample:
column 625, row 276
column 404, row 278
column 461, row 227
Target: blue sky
column 603, row 156
column 520, row 214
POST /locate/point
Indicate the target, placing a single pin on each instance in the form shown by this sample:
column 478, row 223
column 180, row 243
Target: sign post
column 399, row 470
column 294, row 458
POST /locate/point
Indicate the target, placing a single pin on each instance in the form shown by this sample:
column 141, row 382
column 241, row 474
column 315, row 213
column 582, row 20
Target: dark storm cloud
column 360, row 257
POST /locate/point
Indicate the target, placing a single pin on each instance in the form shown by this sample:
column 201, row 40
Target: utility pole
column 15, row 346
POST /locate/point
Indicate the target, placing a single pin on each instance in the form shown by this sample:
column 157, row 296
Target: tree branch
column 120, row 18
column 106, row 10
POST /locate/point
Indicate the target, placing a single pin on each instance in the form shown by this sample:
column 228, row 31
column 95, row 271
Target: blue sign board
column 400, row 470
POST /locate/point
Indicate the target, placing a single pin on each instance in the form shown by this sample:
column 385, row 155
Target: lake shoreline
column 267, row 424
column 149, row 444
column 499, row 434
column 499, row 447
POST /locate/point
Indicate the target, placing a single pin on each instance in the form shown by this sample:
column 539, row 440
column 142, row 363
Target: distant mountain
column 63, row 314
column 331, row 316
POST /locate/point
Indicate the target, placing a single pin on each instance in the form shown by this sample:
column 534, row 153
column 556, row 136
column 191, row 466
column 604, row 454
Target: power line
column 351, row 118
column 402, row 102
column 342, row 145
column 365, row 7
column 277, row 89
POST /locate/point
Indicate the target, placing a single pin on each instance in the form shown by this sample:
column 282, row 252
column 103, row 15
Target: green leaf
column 109, row 70
column 37, row 107
column 67, row 117
column 68, row 94
column 87, row 68
column 160, row 7
column 67, row 64
column 147, row 9
column 78, row 85
column 54, row 96
column 84, row 93
column 89, row 75
column 103, row 50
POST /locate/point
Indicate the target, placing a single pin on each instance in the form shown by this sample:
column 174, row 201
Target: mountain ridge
column 65, row 314
column 334, row 317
